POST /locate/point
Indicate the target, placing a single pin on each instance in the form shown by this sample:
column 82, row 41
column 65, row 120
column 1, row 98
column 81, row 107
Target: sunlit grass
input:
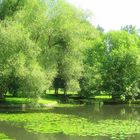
column 47, row 101
column 15, row 100
column 103, row 97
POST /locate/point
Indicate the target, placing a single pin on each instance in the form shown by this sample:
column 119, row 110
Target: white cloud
column 112, row 14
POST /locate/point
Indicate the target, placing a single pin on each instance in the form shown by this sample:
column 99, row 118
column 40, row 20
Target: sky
column 111, row 14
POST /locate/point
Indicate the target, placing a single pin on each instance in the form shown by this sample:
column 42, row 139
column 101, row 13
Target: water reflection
column 97, row 112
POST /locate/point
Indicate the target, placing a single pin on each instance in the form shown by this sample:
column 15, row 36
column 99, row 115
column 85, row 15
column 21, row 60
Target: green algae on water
column 4, row 137
column 73, row 125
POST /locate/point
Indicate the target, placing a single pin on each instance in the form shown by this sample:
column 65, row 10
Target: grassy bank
column 18, row 101
column 60, row 100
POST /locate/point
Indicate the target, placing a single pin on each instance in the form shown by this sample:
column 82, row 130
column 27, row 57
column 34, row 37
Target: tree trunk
column 56, row 91
column 65, row 91
column 1, row 96
column 115, row 96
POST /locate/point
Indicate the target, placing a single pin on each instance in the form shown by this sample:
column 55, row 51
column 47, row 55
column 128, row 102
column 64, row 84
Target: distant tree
column 100, row 29
column 130, row 29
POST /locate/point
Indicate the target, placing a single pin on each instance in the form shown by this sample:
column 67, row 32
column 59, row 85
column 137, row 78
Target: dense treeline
column 112, row 66
column 51, row 44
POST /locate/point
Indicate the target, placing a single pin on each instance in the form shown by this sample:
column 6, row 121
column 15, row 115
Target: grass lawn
column 48, row 99
column 16, row 100
column 103, row 97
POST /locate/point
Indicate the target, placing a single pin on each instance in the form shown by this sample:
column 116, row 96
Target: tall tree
column 112, row 66
column 18, row 60
column 67, row 31
column 122, row 63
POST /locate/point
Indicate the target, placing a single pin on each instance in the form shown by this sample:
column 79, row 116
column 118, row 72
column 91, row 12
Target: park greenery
column 58, row 71
column 51, row 45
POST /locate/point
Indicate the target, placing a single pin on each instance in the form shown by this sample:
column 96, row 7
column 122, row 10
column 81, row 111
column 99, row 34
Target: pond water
column 92, row 113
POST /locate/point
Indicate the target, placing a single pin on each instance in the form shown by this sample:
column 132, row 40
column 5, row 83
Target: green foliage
column 91, row 81
column 9, row 7
column 112, row 65
column 20, row 69
column 122, row 64
column 41, row 41
column 66, row 28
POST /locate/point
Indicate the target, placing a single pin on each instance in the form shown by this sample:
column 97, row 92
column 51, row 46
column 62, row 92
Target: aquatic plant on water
column 4, row 137
column 73, row 125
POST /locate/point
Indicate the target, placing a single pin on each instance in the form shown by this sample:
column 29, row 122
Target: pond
column 92, row 122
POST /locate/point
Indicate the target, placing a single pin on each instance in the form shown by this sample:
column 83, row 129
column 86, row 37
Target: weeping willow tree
column 67, row 30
